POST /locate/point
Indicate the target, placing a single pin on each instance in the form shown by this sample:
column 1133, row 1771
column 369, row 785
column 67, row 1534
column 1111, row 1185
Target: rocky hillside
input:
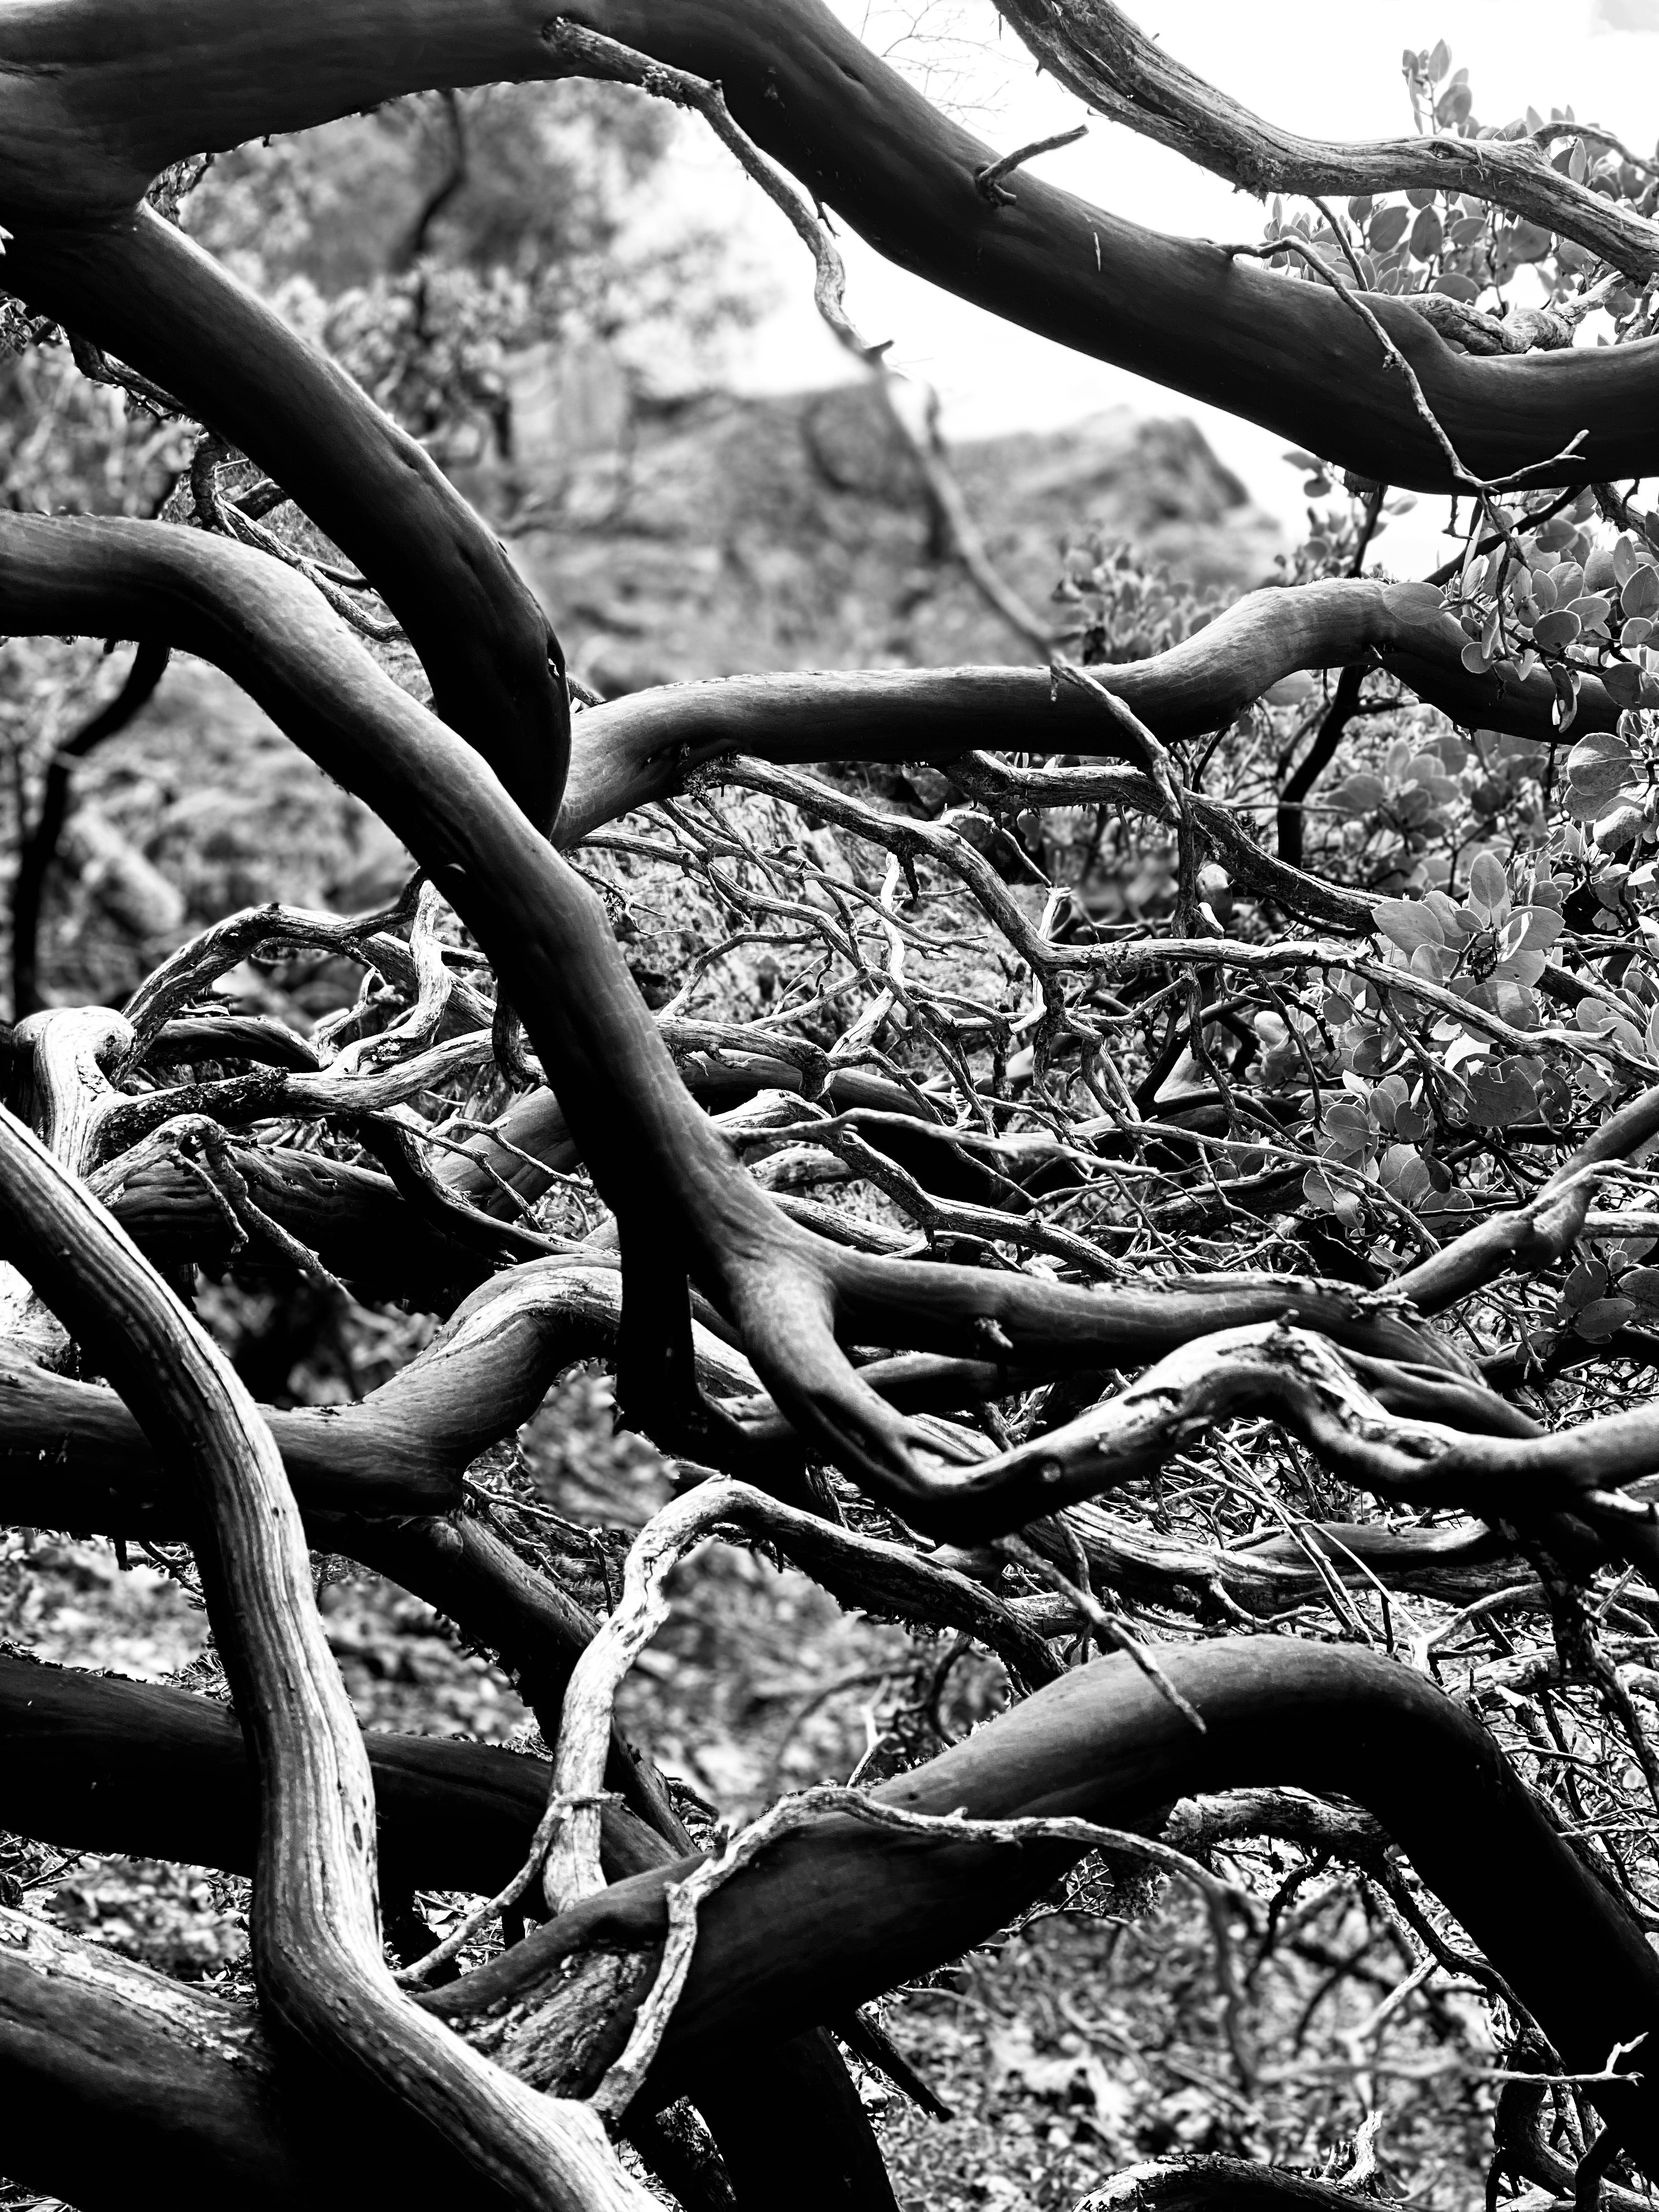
column 739, row 533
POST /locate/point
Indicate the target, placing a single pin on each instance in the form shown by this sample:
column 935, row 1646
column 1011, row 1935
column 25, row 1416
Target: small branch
column 1099, row 54
column 792, row 1815
column 603, row 58
column 987, row 181
column 40, row 845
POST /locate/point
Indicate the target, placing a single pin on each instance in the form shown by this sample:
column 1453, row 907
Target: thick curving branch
column 93, row 1762
column 401, row 1450
column 315, row 1923
column 1295, row 1379
column 358, row 1224
column 375, row 1477
column 1215, row 2185
column 134, row 2093
column 641, row 748
column 141, row 289
column 1096, row 52
column 833, row 1914
column 88, row 116
column 1537, row 1235
column 144, row 2094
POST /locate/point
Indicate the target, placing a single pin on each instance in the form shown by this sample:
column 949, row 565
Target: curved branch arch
column 860, row 139
column 839, row 1910
column 640, row 747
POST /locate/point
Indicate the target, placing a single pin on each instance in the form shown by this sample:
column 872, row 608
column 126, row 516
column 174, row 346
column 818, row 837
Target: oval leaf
column 1407, row 923
column 1557, row 631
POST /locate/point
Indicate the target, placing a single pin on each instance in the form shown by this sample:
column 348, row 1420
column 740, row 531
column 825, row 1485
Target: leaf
column 1290, row 690
column 1603, row 1318
column 1488, row 885
column 1402, row 1172
column 1542, row 926
column 1445, row 1201
column 1439, row 61
column 1500, row 1094
column 1328, row 1197
column 1417, row 604
column 1622, row 824
column 1594, row 784
column 1600, row 750
column 1629, row 554
column 1407, row 923
column 1526, row 241
column 1557, row 631
column 1347, row 1124
column 1427, row 234
column 1388, row 228
column 1359, row 794
column 1640, row 594
column 1623, row 683
column 1453, row 106
column 1641, row 1284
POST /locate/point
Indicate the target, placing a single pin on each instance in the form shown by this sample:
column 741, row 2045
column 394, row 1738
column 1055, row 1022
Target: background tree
column 1210, row 1072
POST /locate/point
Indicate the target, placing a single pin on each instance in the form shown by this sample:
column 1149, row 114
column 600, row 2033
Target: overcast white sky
column 1327, row 67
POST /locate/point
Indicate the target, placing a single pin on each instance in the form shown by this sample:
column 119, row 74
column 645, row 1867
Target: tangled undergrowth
column 1340, row 990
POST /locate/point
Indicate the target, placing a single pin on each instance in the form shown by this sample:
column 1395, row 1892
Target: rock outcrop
column 732, row 533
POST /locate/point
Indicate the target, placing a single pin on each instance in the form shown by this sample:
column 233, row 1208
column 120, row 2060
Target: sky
column 1320, row 66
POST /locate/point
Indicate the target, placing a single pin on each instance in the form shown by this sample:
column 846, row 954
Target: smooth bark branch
column 96, row 99
column 401, row 1450
column 828, row 1917
column 93, row 1762
column 133, row 2093
column 71, row 1455
column 1534, row 1236
column 1179, row 312
column 375, row 1487
column 834, row 1557
column 641, row 748
column 185, row 975
column 1294, row 1377
column 315, row 1922
column 1096, row 52
column 143, row 290
column 143, row 2094
column 1216, row 2185
column 355, row 1221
